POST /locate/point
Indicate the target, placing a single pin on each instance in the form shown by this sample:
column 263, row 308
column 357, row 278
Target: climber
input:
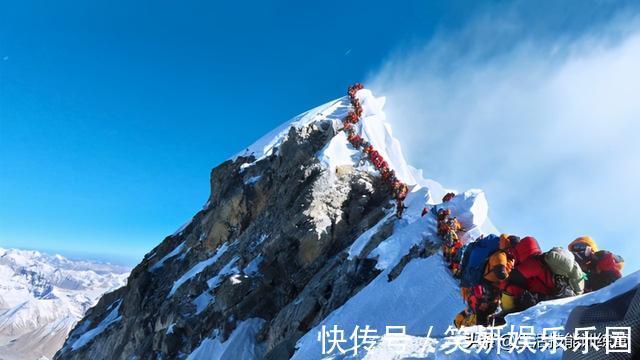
column 465, row 318
column 496, row 270
column 482, row 300
column 400, row 191
column 501, row 261
column 583, row 248
column 568, row 275
column 456, row 261
column 481, row 296
column 600, row 266
column 524, row 249
column 530, row 279
column 448, row 197
column 606, row 268
column 537, row 277
column 448, row 228
column 452, row 257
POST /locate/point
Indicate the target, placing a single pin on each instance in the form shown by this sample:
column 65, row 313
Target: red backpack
column 608, row 261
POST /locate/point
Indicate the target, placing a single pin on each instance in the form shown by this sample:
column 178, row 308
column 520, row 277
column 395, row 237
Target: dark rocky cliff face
column 269, row 245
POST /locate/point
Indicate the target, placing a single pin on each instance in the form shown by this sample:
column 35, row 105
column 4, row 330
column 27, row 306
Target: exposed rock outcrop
column 269, row 245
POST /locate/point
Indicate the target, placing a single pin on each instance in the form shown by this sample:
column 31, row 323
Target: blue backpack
column 475, row 258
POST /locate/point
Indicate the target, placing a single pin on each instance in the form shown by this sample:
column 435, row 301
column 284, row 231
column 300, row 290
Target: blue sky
column 112, row 113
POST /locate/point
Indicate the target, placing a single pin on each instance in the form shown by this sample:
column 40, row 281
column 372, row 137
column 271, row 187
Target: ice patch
column 111, row 318
column 262, row 238
column 173, row 253
column 203, row 301
column 229, row 268
column 196, row 269
column 184, row 254
column 253, row 268
column 245, row 166
column 252, row 180
column 241, row 344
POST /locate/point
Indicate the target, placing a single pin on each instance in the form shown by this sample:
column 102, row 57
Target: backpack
column 608, row 261
column 475, row 258
column 562, row 263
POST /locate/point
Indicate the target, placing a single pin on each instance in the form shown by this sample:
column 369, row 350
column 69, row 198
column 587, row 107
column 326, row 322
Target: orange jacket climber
column 501, row 262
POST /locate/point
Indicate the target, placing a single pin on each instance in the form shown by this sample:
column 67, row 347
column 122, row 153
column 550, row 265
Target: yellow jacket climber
column 464, row 318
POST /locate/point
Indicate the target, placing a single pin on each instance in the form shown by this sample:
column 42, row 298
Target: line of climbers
column 398, row 189
column 510, row 274
column 498, row 272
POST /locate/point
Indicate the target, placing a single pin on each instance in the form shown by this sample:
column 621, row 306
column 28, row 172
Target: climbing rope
column 399, row 190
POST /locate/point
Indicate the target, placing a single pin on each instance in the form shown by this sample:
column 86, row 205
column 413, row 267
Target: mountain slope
column 299, row 232
column 42, row 297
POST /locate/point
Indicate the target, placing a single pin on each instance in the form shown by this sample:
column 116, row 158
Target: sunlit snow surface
column 43, row 296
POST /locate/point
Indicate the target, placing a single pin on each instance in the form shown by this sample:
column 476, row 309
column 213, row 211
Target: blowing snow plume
column 549, row 120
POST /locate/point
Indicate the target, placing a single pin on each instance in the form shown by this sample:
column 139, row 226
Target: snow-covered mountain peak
column 372, row 127
column 298, row 233
column 42, row 297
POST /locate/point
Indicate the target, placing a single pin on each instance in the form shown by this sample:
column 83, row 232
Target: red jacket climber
column 448, row 197
column 606, row 268
column 524, row 249
column 533, row 275
column 529, row 272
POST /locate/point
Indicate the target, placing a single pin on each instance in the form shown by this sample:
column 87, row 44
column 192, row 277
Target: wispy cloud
column 549, row 127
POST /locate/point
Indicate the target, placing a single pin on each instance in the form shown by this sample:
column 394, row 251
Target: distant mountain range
column 43, row 296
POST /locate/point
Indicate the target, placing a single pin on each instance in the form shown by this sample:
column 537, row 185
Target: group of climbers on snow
column 398, row 189
column 498, row 274
column 504, row 274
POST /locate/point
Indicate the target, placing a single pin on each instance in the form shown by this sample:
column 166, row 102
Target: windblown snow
column 42, row 297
